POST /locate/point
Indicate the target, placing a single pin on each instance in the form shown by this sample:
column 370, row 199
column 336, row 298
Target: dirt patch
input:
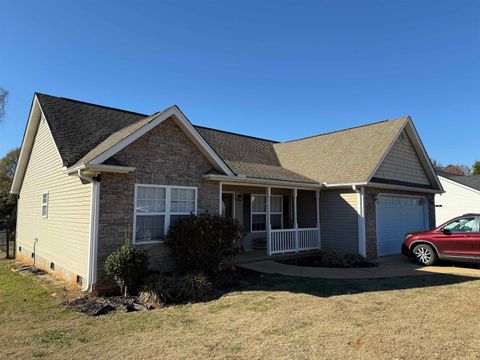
column 30, row 270
column 96, row 306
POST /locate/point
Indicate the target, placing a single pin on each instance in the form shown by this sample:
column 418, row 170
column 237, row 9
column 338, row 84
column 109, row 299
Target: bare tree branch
column 3, row 102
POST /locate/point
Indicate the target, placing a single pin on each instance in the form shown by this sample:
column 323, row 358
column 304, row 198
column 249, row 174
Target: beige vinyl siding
column 339, row 220
column 63, row 236
column 402, row 163
column 457, row 200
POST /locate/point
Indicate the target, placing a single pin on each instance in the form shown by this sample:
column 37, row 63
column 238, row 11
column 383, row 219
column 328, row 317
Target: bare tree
column 437, row 165
column 3, row 101
column 457, row 169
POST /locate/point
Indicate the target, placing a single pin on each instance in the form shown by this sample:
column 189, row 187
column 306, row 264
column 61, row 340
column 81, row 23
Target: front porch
column 276, row 220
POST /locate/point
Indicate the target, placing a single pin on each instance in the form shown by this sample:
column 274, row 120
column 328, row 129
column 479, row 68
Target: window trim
column 45, row 204
column 264, row 213
column 167, row 213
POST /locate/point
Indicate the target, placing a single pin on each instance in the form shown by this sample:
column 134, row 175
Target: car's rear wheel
column 424, row 254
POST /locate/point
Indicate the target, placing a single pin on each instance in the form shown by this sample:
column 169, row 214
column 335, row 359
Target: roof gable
column 125, row 136
column 402, row 164
column 342, row 157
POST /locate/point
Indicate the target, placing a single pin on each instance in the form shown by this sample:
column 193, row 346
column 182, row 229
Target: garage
column 397, row 215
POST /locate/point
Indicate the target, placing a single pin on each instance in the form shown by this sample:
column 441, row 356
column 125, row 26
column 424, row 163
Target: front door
column 457, row 237
column 227, row 205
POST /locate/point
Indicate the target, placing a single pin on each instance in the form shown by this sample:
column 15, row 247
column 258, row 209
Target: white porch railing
column 293, row 240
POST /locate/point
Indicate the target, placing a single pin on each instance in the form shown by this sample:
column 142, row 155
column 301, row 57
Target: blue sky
column 277, row 69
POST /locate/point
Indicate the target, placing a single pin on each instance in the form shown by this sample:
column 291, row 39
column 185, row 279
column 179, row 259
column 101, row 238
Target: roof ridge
column 346, row 129
column 92, row 104
column 233, row 133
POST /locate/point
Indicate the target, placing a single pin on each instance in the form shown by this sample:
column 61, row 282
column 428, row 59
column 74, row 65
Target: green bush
column 200, row 243
column 158, row 289
column 194, row 287
column 127, row 265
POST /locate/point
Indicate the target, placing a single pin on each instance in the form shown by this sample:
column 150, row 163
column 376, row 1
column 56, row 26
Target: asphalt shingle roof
column 78, row 127
column 82, row 131
column 472, row 181
column 344, row 156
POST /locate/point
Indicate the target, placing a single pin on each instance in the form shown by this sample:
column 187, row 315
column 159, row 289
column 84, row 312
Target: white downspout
column 92, row 243
column 362, row 246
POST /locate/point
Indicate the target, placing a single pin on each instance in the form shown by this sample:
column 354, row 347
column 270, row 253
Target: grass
column 277, row 317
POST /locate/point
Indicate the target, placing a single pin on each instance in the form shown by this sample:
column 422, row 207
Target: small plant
column 127, row 265
column 201, row 243
column 158, row 289
column 195, row 287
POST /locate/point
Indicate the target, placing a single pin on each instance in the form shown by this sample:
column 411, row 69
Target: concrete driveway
column 391, row 266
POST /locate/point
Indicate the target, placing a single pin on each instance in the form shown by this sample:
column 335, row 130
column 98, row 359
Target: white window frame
column 265, row 212
column 277, row 212
column 45, row 204
column 167, row 213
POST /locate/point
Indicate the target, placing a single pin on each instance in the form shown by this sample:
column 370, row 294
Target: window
column 259, row 212
column 182, row 203
column 45, row 205
column 461, row 225
column 276, row 211
column 156, row 207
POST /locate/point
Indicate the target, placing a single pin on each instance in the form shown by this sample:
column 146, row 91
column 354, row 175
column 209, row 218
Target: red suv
column 457, row 239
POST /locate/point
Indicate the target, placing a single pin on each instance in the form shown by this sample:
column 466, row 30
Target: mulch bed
column 319, row 261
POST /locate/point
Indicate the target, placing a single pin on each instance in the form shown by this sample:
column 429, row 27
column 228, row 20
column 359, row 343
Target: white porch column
column 362, row 245
column 295, row 217
column 268, row 225
column 220, row 191
column 317, row 197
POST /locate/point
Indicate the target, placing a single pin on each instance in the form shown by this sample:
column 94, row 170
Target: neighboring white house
column 462, row 196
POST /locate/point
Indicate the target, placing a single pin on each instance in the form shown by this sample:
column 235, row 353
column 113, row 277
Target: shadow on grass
column 333, row 287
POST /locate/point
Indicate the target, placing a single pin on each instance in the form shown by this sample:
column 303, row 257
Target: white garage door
column 397, row 215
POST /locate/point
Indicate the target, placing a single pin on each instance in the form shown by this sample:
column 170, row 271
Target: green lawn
column 434, row 316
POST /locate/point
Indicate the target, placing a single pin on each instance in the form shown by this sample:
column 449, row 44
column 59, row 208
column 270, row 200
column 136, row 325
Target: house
column 90, row 177
column 462, row 196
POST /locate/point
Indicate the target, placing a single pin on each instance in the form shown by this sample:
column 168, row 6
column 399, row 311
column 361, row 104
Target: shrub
column 127, row 265
column 158, row 289
column 200, row 243
column 356, row 260
column 194, row 287
column 332, row 259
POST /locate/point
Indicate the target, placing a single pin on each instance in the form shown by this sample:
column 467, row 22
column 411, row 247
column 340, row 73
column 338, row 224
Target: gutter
column 98, row 168
column 261, row 182
column 92, row 244
column 333, row 186
column 362, row 243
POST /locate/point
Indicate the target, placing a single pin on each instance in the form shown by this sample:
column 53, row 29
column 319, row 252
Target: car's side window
column 461, row 225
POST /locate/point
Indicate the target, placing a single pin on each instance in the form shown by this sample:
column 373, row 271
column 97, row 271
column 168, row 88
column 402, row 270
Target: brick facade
column 371, row 215
column 163, row 156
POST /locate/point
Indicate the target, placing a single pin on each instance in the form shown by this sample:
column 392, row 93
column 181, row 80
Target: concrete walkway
column 392, row 266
